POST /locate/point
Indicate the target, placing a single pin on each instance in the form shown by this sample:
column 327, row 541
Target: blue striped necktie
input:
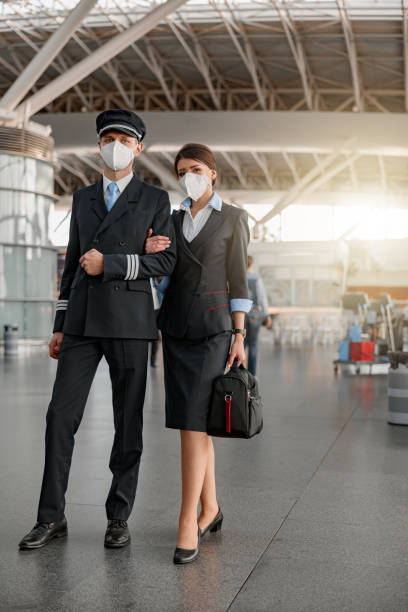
column 113, row 196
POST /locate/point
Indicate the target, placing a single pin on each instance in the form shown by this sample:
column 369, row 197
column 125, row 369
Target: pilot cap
column 121, row 120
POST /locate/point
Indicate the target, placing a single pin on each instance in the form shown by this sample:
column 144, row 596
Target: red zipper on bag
column 228, row 403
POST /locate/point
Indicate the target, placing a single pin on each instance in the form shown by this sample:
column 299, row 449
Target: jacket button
column 121, row 243
column 116, row 287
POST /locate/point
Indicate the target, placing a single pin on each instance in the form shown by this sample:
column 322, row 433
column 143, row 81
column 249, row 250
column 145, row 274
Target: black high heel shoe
column 215, row 525
column 185, row 555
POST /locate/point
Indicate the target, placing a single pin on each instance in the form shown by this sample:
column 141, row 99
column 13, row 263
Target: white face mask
column 116, row 155
column 194, row 185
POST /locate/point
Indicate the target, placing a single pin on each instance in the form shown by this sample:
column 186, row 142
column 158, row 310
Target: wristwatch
column 240, row 331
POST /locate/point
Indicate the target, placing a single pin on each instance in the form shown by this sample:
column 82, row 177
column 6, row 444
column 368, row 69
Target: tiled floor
column 316, row 508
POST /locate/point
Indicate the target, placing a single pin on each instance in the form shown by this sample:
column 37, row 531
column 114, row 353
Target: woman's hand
column 157, row 243
column 237, row 351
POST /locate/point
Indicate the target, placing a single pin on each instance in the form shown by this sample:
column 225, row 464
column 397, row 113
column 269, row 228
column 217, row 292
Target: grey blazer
column 210, row 271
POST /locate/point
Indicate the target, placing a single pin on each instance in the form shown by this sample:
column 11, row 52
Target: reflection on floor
column 316, row 508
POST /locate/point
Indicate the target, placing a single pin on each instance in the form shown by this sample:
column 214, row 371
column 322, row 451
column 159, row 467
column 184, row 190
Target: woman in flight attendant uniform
column 208, row 284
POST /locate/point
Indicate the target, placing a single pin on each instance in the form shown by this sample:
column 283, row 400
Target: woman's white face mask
column 116, row 155
column 194, row 185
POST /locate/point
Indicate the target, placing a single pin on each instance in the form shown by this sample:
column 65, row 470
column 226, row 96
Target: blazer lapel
column 98, row 201
column 181, row 241
column 213, row 223
column 130, row 194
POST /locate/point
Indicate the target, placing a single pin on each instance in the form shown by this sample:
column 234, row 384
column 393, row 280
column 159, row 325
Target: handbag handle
column 236, row 367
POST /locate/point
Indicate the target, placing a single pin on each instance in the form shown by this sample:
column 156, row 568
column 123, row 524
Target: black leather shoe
column 42, row 533
column 185, row 555
column 117, row 534
column 215, row 525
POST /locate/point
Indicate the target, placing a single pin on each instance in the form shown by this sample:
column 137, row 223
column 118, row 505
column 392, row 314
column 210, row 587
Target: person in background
column 257, row 316
column 157, row 302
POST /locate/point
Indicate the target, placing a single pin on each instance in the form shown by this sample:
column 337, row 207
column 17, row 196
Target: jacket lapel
column 213, row 223
column 181, row 241
column 98, row 201
column 130, row 194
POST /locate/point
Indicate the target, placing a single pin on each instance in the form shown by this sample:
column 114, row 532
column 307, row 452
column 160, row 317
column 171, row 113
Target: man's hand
column 55, row 344
column 237, row 351
column 157, row 243
column 92, row 262
column 268, row 322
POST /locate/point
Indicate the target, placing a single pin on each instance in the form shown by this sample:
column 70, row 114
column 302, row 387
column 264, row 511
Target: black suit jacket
column 107, row 305
column 210, row 271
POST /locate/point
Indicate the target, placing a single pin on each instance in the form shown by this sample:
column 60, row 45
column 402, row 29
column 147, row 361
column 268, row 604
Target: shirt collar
column 215, row 202
column 121, row 183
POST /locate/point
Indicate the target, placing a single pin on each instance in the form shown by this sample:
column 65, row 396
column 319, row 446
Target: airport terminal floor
column 316, row 507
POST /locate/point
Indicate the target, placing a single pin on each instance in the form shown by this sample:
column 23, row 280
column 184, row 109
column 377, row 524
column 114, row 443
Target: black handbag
column 236, row 406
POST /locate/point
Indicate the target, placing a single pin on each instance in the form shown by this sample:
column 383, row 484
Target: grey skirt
column 190, row 367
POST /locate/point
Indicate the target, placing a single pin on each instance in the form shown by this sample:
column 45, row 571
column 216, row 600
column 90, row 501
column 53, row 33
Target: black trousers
column 78, row 360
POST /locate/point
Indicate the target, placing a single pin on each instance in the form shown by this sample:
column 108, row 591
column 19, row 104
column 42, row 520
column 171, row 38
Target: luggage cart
column 384, row 308
column 378, row 359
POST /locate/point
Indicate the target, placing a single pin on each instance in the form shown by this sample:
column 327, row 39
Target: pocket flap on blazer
column 139, row 285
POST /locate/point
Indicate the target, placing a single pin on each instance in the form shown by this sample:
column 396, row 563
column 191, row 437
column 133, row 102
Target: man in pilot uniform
column 105, row 308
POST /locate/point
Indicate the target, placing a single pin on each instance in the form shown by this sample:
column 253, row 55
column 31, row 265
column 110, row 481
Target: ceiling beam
column 91, row 163
column 155, row 63
column 167, row 178
column 263, row 165
column 108, row 68
column 200, row 59
column 98, row 58
column 296, row 193
column 59, row 65
column 133, row 46
column 248, row 56
column 234, row 163
column 290, row 160
column 46, row 55
column 62, row 184
column 302, row 185
column 298, row 52
column 260, row 131
column 75, row 171
column 352, row 54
